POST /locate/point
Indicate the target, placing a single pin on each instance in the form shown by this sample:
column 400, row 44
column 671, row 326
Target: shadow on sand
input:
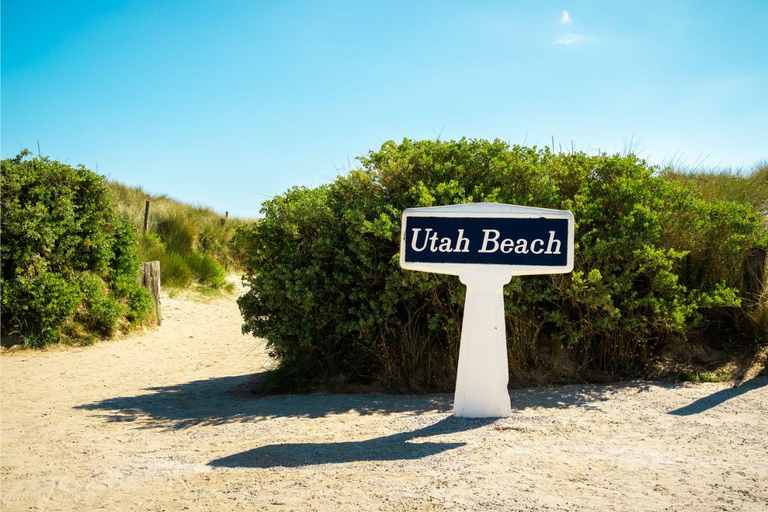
column 228, row 400
column 717, row 398
column 225, row 400
column 393, row 447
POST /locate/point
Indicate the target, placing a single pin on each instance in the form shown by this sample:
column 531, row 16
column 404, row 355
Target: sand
column 163, row 421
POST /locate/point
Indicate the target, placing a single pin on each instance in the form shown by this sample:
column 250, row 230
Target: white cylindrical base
column 483, row 374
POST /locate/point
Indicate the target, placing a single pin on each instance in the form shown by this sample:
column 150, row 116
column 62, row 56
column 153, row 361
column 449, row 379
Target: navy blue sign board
column 485, row 244
column 445, row 238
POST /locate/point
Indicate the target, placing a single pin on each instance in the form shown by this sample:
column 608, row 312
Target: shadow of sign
column 402, row 446
column 225, row 400
column 715, row 399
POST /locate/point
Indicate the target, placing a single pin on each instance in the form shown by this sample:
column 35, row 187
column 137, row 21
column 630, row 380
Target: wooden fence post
column 146, row 216
column 150, row 279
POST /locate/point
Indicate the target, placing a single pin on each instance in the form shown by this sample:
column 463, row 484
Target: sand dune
column 164, row 421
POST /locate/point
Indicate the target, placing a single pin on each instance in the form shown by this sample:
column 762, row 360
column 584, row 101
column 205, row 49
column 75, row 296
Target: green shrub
column 327, row 293
column 727, row 196
column 141, row 307
column 100, row 310
column 38, row 302
column 68, row 260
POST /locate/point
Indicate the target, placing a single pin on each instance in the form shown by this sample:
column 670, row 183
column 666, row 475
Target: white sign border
column 488, row 211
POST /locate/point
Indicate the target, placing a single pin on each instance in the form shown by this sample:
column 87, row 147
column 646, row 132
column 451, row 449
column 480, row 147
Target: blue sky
column 227, row 103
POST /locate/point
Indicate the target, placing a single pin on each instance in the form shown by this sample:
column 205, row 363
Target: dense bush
column 654, row 262
column 193, row 244
column 69, row 264
column 722, row 189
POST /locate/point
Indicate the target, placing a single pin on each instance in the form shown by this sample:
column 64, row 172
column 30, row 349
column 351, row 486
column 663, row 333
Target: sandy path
column 160, row 421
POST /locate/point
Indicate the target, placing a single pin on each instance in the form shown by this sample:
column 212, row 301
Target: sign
column 485, row 244
column 444, row 239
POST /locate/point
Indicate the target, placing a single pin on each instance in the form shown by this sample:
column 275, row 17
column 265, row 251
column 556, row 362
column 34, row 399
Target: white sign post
column 485, row 244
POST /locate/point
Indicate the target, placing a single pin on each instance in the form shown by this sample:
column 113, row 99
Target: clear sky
column 226, row 103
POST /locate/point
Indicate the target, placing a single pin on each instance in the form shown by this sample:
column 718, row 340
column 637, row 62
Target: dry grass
column 750, row 187
column 194, row 244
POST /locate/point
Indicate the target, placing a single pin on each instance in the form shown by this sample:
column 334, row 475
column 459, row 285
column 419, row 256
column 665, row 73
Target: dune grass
column 194, row 244
column 746, row 187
